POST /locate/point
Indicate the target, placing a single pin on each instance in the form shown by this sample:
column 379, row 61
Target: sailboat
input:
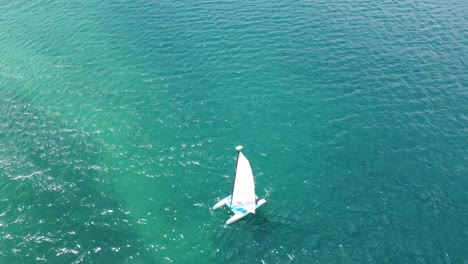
column 243, row 200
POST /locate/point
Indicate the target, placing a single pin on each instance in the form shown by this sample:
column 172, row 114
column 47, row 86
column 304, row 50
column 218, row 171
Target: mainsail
column 243, row 194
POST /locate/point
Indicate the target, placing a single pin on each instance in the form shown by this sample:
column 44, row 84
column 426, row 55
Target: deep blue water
column 118, row 122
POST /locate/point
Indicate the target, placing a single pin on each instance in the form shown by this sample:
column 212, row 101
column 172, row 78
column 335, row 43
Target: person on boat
column 256, row 199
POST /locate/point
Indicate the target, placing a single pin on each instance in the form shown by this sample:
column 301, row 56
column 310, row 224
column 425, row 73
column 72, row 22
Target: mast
column 238, row 148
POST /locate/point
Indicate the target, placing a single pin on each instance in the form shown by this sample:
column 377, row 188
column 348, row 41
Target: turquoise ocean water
column 118, row 122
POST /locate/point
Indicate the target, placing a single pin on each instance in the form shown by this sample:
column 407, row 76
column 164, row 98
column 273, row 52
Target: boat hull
column 240, row 213
column 222, row 202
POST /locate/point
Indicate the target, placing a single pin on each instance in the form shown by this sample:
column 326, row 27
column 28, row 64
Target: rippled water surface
column 118, row 122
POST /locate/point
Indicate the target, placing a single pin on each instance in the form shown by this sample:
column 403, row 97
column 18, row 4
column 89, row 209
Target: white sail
column 243, row 194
